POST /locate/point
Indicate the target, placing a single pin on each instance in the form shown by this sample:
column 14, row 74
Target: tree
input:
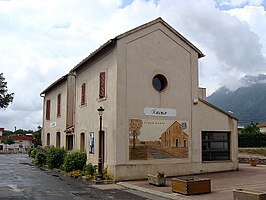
column 37, row 136
column 251, row 129
column 135, row 126
column 5, row 98
column 8, row 141
column 251, row 136
column 7, row 133
column 21, row 132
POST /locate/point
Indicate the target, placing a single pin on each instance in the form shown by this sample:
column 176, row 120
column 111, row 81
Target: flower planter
column 156, row 180
column 253, row 162
column 248, row 194
column 191, row 185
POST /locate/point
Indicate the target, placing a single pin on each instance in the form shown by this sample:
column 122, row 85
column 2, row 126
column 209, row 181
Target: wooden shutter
column 58, row 105
column 102, row 85
column 83, row 93
column 48, row 109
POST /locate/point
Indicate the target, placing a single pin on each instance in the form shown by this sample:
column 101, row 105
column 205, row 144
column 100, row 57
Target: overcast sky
column 41, row 41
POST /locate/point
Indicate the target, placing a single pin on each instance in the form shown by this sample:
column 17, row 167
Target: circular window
column 159, row 82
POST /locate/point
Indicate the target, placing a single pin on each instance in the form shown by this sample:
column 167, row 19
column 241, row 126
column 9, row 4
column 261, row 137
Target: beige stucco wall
column 206, row 118
column 59, row 121
column 87, row 118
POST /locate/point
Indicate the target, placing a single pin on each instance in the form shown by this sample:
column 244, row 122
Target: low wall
column 246, row 159
column 12, row 151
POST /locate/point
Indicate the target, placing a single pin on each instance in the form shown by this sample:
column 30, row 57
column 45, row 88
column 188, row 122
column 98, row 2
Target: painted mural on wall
column 158, row 139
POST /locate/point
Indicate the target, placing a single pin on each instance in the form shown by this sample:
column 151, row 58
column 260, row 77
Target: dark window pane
column 159, row 82
column 215, row 146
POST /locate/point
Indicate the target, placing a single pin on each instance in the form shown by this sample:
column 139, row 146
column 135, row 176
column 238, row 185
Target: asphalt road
column 20, row 180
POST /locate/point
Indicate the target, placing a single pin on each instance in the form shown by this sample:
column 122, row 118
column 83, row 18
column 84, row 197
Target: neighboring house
column 262, row 127
column 1, row 131
column 22, row 143
column 146, row 80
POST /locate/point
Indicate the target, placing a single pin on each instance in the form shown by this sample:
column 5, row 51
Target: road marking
column 15, row 188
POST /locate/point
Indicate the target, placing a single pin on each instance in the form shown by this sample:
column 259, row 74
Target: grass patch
column 253, row 151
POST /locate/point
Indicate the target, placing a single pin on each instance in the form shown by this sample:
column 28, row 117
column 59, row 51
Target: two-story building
column 146, row 80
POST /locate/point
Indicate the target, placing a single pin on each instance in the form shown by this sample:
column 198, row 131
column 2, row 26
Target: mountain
column 248, row 103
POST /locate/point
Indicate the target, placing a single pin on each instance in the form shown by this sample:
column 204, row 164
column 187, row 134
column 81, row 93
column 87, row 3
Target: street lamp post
column 100, row 174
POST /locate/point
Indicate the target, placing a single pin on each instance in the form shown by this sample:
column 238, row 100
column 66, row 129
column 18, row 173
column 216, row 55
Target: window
column 48, row 139
column 185, row 143
column 48, row 109
column 102, row 85
column 83, row 94
column 176, row 142
column 159, row 82
column 58, row 105
column 215, row 146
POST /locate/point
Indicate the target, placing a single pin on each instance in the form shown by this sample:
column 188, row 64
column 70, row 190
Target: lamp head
column 100, row 110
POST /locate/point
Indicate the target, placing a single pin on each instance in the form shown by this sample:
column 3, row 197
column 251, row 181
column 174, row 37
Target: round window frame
column 163, row 82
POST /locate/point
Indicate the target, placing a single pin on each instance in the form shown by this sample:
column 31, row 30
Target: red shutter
column 48, row 109
column 83, row 93
column 102, row 85
column 59, row 105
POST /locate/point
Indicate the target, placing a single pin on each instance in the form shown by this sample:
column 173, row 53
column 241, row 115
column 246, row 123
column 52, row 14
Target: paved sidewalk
column 222, row 183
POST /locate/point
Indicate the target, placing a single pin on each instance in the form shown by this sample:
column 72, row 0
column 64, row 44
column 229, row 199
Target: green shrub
column 55, row 157
column 30, row 150
column 90, row 169
column 40, row 157
column 34, row 151
column 74, row 161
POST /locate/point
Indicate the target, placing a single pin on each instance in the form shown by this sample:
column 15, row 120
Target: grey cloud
column 230, row 39
column 21, row 119
column 231, row 48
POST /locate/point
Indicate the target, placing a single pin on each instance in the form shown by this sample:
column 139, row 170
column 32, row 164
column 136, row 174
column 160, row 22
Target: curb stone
column 162, row 194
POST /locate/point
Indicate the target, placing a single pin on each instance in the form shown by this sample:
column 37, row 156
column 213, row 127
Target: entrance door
column 69, row 142
column 58, row 137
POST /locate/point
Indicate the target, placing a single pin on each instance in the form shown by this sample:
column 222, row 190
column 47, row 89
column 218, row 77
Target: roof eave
column 57, row 82
column 108, row 43
column 200, row 54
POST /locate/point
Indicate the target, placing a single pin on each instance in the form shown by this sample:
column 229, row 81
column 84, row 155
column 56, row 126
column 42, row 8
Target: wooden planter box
column 191, row 185
column 243, row 194
column 154, row 180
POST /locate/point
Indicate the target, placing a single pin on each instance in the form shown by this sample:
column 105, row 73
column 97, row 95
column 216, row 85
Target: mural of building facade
column 157, row 139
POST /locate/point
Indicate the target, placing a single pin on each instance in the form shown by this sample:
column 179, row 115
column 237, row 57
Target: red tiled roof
column 19, row 137
column 2, row 129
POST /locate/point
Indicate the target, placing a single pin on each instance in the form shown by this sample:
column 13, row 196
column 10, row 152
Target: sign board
column 160, row 112
column 53, row 124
